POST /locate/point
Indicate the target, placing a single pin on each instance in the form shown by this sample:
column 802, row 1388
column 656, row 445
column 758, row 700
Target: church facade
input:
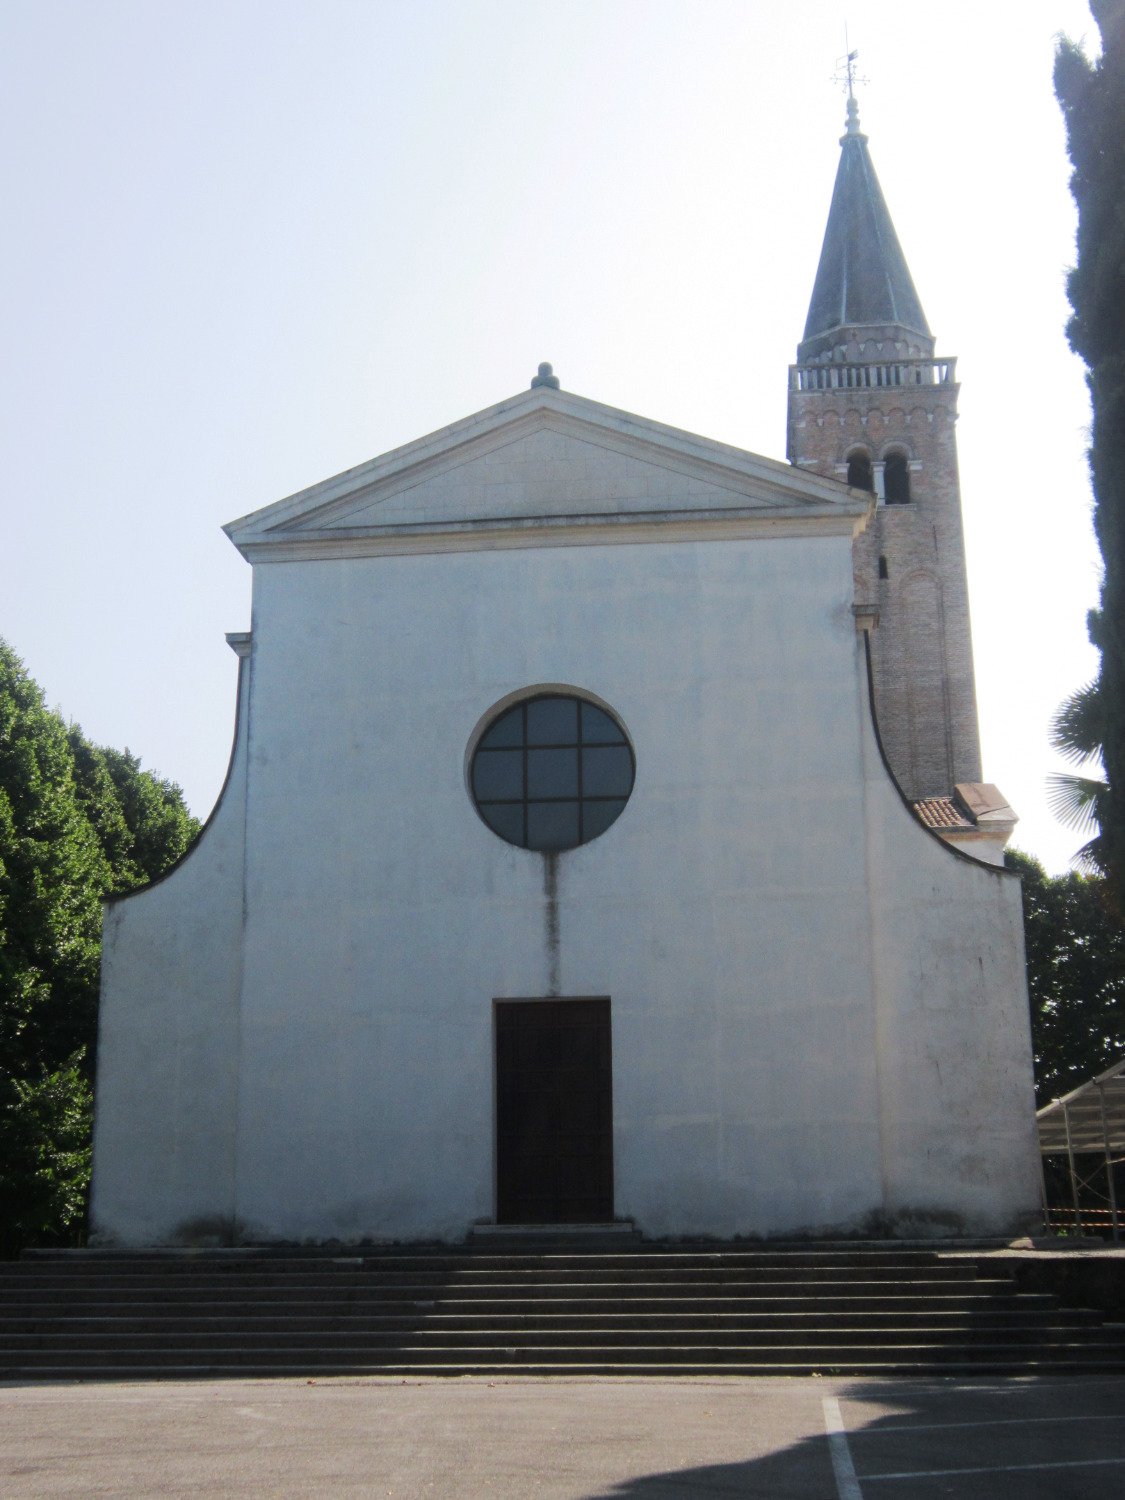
column 562, row 874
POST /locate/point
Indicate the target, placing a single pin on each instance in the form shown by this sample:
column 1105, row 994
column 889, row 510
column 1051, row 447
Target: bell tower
column 870, row 403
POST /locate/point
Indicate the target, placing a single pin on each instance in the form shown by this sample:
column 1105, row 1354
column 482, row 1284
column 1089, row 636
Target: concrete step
column 710, row 1308
column 505, row 1286
column 567, row 1317
column 462, row 1256
column 533, row 1236
column 698, row 1281
column 906, row 1369
column 316, row 1342
column 637, row 1309
column 592, row 1358
column 478, row 1266
column 807, row 1253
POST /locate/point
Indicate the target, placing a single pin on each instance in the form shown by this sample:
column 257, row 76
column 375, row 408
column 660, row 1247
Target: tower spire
column 862, row 280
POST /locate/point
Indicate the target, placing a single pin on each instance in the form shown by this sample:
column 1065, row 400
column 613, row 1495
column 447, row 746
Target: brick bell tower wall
column 875, row 392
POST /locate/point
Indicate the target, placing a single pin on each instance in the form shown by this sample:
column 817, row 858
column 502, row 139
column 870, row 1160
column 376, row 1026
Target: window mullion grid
column 578, row 744
column 523, row 789
column 581, row 758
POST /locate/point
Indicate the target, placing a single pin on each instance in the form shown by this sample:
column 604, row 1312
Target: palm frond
column 1090, row 860
column 1074, row 801
column 1076, row 731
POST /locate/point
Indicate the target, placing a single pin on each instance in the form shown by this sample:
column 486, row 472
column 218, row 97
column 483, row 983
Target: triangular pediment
column 543, row 462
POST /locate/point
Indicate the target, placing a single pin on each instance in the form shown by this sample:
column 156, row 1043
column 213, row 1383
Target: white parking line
column 1076, row 1463
column 847, row 1485
column 1112, row 1416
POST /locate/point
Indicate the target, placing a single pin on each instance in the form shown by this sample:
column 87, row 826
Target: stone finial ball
column 546, row 377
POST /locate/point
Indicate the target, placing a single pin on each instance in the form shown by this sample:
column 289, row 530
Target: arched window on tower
column 861, row 476
column 896, row 479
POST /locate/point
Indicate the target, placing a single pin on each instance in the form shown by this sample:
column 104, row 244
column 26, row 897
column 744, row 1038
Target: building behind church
column 604, row 837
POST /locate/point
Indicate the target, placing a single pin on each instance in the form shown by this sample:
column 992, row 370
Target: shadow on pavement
column 1022, row 1439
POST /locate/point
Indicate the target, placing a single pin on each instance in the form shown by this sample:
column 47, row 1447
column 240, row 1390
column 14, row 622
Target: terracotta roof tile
column 941, row 812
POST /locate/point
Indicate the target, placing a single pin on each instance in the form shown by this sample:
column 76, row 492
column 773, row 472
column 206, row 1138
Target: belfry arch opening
column 861, row 474
column 896, row 478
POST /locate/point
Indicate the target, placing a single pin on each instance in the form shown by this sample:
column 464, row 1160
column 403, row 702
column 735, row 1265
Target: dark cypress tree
column 77, row 823
column 1092, row 96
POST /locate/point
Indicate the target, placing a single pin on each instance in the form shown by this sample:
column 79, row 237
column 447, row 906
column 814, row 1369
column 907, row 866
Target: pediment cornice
column 452, row 490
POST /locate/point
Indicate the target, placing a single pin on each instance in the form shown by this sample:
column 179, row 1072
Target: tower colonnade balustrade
column 865, row 375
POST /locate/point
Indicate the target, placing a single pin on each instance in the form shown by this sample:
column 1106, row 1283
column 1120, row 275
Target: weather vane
column 845, row 75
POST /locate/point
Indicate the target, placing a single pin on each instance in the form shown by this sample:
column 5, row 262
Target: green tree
column 77, row 823
column 139, row 820
column 1075, row 976
column 45, row 1122
column 52, row 875
column 1092, row 96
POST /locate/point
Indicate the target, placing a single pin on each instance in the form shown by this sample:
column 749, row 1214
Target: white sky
column 250, row 243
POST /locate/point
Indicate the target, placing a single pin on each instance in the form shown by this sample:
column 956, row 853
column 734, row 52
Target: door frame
column 497, row 1003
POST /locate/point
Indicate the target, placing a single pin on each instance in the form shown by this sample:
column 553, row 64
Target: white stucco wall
column 808, row 992
column 960, row 1147
column 167, row 1065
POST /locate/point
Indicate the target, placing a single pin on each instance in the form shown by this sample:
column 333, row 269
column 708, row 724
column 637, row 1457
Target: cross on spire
column 847, row 78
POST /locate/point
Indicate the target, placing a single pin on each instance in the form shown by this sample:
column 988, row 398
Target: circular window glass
column 551, row 773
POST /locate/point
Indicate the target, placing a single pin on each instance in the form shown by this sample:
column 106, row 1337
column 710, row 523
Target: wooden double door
column 554, row 1112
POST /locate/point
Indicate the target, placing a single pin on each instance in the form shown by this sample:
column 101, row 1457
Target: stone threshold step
column 540, row 1235
column 615, row 1232
column 536, row 1235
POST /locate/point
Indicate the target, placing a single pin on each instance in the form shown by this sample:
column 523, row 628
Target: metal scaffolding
column 1089, row 1119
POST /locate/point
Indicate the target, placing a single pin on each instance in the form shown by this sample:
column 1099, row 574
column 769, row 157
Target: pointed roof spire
column 862, row 277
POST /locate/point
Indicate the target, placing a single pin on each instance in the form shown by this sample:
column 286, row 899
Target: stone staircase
column 543, row 1310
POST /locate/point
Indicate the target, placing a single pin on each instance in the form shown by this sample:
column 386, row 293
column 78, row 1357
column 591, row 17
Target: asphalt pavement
column 566, row 1439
